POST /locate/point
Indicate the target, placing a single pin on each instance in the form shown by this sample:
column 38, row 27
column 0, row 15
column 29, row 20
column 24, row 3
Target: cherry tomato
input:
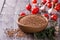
column 49, row 4
column 55, row 1
column 28, row 7
column 22, row 14
column 58, row 4
column 44, row 1
column 46, row 15
column 54, row 17
column 35, row 10
column 34, row 1
column 57, row 8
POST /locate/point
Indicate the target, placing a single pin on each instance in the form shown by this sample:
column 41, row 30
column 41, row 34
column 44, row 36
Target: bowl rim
column 27, row 25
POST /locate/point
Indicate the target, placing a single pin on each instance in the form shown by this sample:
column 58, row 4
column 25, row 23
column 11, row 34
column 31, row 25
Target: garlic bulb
column 50, row 10
column 43, row 7
column 57, row 28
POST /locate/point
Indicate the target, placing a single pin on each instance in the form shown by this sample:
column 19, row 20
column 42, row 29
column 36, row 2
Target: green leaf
column 47, row 33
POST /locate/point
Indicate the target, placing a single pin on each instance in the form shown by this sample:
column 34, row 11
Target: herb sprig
column 47, row 33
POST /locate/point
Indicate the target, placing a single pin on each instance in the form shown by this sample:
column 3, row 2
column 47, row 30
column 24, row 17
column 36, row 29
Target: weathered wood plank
column 9, row 15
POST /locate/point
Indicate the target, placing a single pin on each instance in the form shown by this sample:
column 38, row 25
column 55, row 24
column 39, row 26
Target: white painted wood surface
column 9, row 15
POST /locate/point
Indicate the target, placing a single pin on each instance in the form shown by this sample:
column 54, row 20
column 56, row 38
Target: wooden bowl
column 31, row 29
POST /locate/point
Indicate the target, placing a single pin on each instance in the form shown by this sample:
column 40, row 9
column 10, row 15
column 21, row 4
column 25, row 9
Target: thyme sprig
column 47, row 33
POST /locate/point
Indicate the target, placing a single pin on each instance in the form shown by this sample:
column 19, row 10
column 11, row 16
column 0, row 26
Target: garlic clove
column 50, row 10
column 43, row 7
column 57, row 28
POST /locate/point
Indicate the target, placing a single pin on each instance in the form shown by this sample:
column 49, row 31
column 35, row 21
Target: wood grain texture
column 9, row 16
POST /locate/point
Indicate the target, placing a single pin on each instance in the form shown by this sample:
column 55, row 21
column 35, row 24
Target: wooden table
column 9, row 16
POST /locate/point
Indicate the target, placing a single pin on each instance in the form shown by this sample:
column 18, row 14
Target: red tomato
column 55, row 1
column 44, row 1
column 54, row 17
column 57, row 8
column 49, row 4
column 22, row 14
column 58, row 4
column 46, row 15
column 28, row 7
column 34, row 1
column 35, row 10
